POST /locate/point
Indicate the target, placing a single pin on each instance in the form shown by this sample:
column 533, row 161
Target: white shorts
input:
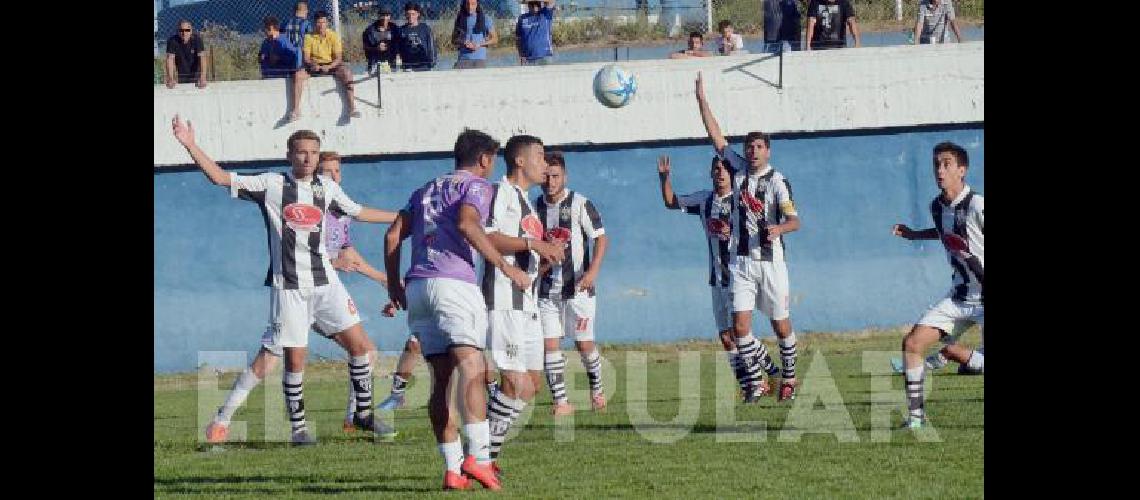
column 722, row 307
column 953, row 317
column 328, row 309
column 760, row 284
column 515, row 341
column 445, row 312
column 574, row 316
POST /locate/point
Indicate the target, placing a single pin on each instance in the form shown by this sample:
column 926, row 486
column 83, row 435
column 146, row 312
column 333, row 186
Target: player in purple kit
column 446, row 312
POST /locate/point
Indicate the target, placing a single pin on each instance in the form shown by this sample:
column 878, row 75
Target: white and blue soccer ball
column 614, row 87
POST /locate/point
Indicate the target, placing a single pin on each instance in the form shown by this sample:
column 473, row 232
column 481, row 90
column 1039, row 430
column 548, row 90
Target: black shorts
column 188, row 78
column 313, row 72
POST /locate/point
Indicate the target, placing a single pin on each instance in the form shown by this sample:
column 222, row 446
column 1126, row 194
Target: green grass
column 610, row 454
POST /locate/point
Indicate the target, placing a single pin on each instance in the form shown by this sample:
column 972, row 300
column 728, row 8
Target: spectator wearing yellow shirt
column 323, row 56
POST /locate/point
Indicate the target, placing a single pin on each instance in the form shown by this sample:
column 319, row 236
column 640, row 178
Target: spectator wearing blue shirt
column 277, row 57
column 297, row 27
column 474, row 31
column 417, row 48
column 533, row 33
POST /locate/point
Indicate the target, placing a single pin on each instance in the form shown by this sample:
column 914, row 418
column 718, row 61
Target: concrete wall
column 422, row 112
column 846, row 270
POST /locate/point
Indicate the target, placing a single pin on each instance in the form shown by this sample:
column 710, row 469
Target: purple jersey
column 336, row 234
column 438, row 248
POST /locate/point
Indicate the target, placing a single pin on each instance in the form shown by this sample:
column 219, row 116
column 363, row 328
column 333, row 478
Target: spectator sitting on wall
column 185, row 57
column 380, row 41
column 781, row 26
column 533, row 34
column 416, row 46
column 474, row 31
column 729, row 43
column 277, row 57
column 695, row 48
column 827, row 24
column 297, row 27
column 324, row 56
column 933, row 16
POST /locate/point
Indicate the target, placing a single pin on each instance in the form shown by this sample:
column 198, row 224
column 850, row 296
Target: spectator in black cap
column 415, row 43
column 380, row 41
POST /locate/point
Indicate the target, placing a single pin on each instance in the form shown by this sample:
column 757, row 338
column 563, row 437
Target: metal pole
column 898, row 10
column 708, row 12
column 615, row 53
column 334, row 6
column 780, row 84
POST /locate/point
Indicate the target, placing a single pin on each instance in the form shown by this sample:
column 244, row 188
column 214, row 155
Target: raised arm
column 184, row 133
column 711, row 126
column 472, row 229
column 667, row 195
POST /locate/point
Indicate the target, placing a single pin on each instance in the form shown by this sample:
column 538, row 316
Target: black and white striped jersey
column 761, row 200
column 511, row 214
column 578, row 215
column 293, row 213
column 963, row 218
column 716, row 221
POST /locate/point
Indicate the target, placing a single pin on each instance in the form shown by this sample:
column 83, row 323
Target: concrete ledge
column 852, row 89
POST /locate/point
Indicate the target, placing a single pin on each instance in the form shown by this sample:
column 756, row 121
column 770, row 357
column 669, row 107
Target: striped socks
column 788, row 355
column 294, row 400
column 592, row 361
column 501, row 413
column 555, row 367
column 360, row 372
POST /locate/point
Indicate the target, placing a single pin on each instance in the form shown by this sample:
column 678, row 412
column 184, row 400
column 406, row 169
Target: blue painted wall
column 847, row 271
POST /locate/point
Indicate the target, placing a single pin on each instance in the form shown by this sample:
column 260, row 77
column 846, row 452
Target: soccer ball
column 614, row 87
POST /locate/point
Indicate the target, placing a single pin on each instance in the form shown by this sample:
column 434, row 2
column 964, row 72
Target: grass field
column 633, row 449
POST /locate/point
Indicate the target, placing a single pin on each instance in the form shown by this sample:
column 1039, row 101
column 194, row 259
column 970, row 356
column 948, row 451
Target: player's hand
column 518, row 277
column 342, row 264
column 184, row 133
column 774, row 232
column 663, row 165
column 901, row 230
column 169, row 82
column 389, row 310
column 396, row 295
column 553, row 251
column 700, row 87
column 587, row 282
column 202, row 83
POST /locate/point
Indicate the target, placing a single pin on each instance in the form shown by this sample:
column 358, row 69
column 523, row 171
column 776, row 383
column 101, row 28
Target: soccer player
column 445, row 219
column 305, row 290
column 715, row 210
column 516, row 340
column 958, row 214
column 344, row 257
column 765, row 211
column 566, row 295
